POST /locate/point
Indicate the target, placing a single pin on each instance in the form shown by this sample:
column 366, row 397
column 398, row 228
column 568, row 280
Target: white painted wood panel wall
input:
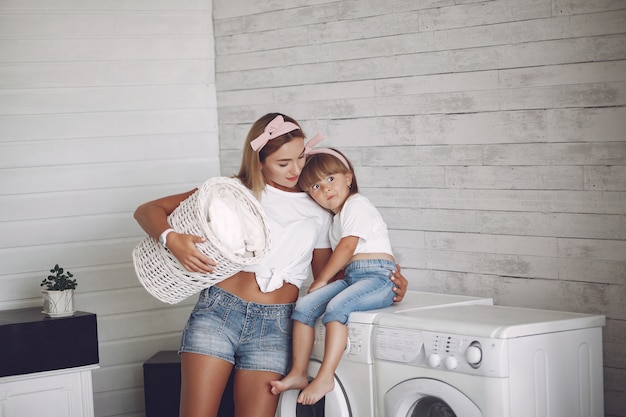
column 491, row 134
column 103, row 105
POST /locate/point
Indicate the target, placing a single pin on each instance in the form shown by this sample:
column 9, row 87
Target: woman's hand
column 184, row 248
column 152, row 217
column 401, row 284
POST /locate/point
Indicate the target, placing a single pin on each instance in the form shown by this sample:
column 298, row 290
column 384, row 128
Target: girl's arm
column 152, row 217
column 322, row 256
column 339, row 258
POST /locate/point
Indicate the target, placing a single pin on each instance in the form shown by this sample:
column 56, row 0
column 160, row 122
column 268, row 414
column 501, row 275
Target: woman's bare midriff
column 244, row 285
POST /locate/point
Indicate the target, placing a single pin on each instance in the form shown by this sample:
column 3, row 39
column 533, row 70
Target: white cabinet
column 61, row 393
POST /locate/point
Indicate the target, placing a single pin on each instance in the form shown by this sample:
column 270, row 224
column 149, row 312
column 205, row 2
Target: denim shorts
column 366, row 286
column 249, row 335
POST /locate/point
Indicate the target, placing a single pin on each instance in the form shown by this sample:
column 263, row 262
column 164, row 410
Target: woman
column 245, row 320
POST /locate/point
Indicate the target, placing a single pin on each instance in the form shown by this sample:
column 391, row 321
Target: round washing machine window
column 432, row 407
column 425, row 397
column 334, row 404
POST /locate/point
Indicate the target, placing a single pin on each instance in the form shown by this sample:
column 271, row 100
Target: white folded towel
column 239, row 230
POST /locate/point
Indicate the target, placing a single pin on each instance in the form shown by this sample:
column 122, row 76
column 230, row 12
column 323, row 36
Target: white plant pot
column 58, row 303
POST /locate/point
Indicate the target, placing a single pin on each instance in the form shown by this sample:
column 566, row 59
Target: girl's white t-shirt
column 297, row 226
column 359, row 217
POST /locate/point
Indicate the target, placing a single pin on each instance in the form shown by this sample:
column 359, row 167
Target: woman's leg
column 303, row 338
column 324, row 382
column 203, row 379
column 252, row 393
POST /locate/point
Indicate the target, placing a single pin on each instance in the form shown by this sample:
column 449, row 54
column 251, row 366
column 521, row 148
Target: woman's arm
column 320, row 259
column 152, row 217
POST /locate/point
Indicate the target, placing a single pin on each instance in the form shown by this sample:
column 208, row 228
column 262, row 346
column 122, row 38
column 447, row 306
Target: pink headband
column 309, row 150
column 274, row 129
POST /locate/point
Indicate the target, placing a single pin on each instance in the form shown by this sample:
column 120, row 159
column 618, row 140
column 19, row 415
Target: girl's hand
column 401, row 284
column 316, row 286
column 184, row 248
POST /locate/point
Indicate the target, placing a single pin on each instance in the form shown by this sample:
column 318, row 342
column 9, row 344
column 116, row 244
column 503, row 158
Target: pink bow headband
column 277, row 127
column 309, row 150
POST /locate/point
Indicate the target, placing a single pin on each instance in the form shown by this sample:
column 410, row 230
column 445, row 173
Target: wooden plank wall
column 491, row 134
column 103, row 105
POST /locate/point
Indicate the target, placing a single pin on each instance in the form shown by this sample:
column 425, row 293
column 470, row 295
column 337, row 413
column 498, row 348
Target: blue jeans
column 251, row 336
column 365, row 286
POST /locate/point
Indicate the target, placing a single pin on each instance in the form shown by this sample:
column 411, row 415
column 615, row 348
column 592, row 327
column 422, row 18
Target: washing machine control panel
column 449, row 352
column 358, row 349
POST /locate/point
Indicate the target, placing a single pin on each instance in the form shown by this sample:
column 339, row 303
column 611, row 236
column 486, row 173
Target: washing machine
column 353, row 395
column 488, row 361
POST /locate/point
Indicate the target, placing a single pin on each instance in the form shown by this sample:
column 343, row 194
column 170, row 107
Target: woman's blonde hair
column 320, row 165
column 250, row 173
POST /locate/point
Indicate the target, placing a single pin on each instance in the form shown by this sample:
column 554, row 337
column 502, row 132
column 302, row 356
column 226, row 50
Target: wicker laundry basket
column 161, row 273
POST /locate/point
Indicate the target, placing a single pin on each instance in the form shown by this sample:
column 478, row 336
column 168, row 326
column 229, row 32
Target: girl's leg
column 203, row 379
column 303, row 338
column 252, row 393
column 364, row 294
column 324, row 382
column 307, row 310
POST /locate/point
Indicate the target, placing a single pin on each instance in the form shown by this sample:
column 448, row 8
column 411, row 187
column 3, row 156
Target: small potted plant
column 58, row 293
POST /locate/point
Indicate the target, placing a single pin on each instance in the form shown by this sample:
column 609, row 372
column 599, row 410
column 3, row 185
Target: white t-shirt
column 360, row 218
column 297, row 226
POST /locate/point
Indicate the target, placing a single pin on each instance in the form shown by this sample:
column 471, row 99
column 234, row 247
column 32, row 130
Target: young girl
column 361, row 244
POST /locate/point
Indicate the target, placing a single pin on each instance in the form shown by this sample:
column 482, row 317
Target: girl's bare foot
column 316, row 390
column 289, row 382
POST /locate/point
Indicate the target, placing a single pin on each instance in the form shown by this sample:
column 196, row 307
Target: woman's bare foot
column 316, row 390
column 289, row 382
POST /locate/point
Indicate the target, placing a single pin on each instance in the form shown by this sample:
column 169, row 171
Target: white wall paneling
column 103, row 105
column 489, row 133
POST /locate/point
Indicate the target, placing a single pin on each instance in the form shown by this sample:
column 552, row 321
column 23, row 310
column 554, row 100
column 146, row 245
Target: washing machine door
column 424, row 397
column 334, row 404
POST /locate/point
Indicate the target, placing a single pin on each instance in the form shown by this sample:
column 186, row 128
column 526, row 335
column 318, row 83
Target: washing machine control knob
column 474, row 354
column 434, row 360
column 451, row 362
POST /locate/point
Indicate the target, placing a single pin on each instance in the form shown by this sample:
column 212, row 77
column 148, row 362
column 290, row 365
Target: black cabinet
column 161, row 380
column 33, row 342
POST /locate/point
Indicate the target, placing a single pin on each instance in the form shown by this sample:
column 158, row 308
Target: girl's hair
column 320, row 165
column 250, row 173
